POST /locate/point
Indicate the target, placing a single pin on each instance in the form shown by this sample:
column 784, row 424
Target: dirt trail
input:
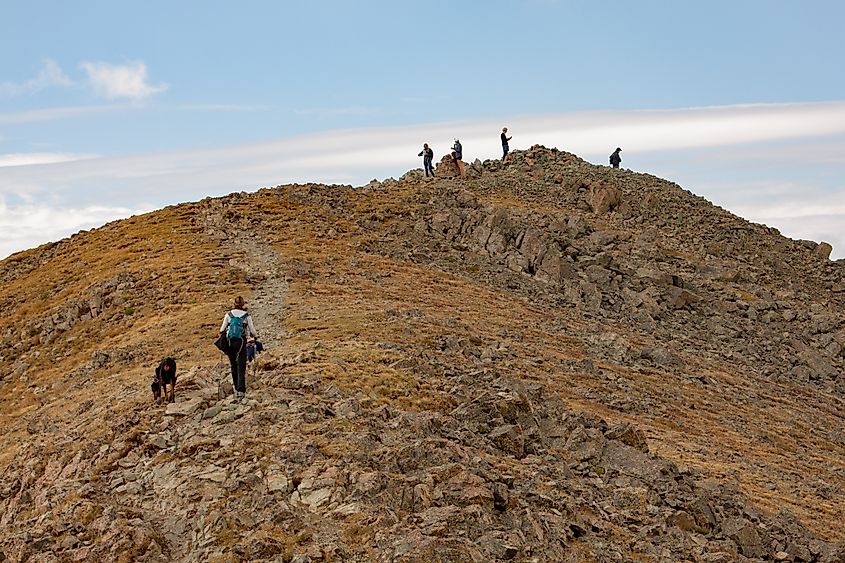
column 261, row 263
column 268, row 302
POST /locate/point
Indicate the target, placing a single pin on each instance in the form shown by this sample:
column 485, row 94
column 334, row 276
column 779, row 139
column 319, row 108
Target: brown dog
column 165, row 375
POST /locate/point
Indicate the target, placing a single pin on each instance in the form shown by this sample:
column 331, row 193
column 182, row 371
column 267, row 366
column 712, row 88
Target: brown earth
column 544, row 360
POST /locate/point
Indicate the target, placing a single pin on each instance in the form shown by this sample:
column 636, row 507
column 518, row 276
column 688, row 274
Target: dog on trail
column 165, row 381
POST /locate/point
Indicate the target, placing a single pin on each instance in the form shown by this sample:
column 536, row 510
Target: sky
column 109, row 109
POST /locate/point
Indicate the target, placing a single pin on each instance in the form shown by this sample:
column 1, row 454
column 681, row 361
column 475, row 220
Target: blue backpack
column 237, row 326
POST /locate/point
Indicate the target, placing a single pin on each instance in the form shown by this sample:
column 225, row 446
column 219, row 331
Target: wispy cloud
column 50, row 75
column 825, row 227
column 820, row 152
column 56, row 113
column 27, row 159
column 800, row 207
column 660, row 130
column 26, row 226
column 110, row 81
column 679, row 137
column 127, row 81
column 424, row 99
column 336, row 111
column 220, row 107
column 50, row 114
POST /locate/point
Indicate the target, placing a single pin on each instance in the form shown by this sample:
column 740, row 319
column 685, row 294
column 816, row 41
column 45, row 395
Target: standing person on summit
column 457, row 155
column 505, row 139
column 237, row 327
column 615, row 159
column 428, row 156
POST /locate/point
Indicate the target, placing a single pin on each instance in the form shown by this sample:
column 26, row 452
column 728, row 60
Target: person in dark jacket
column 165, row 374
column 505, row 139
column 428, row 156
column 238, row 328
column 615, row 159
column 457, row 155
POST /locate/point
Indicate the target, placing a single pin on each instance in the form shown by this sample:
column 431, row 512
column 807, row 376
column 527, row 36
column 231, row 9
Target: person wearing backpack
column 615, row 159
column 457, row 155
column 238, row 328
column 428, row 156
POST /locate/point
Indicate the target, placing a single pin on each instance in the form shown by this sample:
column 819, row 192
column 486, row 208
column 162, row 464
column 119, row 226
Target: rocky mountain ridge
column 544, row 360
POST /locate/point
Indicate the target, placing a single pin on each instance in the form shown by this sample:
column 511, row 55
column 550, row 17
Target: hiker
column 505, row 139
column 615, row 159
column 428, row 156
column 237, row 326
column 457, row 155
column 165, row 374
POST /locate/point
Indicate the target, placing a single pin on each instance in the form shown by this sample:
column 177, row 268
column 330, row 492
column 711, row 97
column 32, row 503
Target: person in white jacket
column 238, row 328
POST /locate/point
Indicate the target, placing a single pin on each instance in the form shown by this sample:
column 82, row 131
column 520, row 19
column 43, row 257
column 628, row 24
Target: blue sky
column 111, row 108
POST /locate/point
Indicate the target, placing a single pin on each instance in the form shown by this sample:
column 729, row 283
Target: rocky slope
column 544, row 360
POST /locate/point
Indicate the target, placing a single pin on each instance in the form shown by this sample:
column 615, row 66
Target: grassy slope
column 343, row 305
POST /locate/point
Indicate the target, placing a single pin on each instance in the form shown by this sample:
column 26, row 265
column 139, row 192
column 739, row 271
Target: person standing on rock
column 615, row 159
column 457, row 155
column 237, row 327
column 505, row 139
column 428, row 156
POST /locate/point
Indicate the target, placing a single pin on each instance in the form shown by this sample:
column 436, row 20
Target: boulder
column 744, row 534
column 680, row 298
column 211, row 412
column 604, row 197
column 823, row 250
column 447, row 168
column 683, row 521
column 184, row 408
column 554, row 269
column 509, row 438
column 628, row 434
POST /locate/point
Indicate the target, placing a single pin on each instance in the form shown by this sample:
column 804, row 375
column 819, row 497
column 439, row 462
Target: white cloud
column 820, row 152
column 825, row 227
column 220, row 107
column 688, row 141
column 127, row 81
column 336, row 111
column 26, row 159
column 660, row 130
column 49, row 114
column 27, row 226
column 50, row 75
column 803, row 208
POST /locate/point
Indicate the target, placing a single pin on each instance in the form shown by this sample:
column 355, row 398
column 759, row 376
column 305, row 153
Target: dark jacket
column 427, row 154
column 505, row 139
column 615, row 158
column 166, row 376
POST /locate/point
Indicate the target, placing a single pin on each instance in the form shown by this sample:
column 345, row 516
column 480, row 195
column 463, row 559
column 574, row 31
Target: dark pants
column 505, row 150
column 428, row 167
column 615, row 165
column 237, row 359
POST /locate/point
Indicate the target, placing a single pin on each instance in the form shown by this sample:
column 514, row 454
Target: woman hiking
column 237, row 327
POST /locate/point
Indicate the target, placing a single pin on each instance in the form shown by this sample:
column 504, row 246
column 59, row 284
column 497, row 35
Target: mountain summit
column 541, row 360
